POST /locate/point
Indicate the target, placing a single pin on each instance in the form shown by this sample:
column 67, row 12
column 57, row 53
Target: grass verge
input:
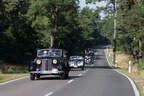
column 12, row 71
column 137, row 76
column 7, row 77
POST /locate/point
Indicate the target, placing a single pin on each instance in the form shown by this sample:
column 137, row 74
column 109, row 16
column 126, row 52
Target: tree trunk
column 140, row 51
column 54, row 28
column 115, row 32
column 51, row 41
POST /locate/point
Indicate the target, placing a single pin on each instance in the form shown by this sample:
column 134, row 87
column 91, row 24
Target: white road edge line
column 130, row 80
column 50, row 93
column 70, row 81
column 13, row 80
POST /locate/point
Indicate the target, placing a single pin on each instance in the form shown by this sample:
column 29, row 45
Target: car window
column 76, row 57
column 49, row 53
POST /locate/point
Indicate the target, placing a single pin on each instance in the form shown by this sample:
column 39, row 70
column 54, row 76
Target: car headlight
column 80, row 63
column 71, row 63
column 54, row 61
column 38, row 61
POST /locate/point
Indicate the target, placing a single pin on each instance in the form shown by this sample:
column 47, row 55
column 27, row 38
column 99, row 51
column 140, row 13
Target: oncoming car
column 76, row 62
column 87, row 59
column 49, row 62
column 90, row 57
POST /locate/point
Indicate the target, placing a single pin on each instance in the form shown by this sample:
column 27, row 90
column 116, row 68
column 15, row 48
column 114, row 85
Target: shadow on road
column 58, row 78
column 76, row 69
column 98, row 67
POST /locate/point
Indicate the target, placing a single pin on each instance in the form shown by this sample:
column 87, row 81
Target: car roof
column 50, row 49
column 76, row 56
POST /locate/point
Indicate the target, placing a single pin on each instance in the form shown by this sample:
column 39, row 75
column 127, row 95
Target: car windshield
column 76, row 57
column 49, row 53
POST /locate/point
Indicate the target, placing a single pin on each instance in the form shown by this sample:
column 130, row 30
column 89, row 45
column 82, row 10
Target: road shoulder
column 130, row 80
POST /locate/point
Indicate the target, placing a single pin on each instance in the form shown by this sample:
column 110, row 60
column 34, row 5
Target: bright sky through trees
column 93, row 6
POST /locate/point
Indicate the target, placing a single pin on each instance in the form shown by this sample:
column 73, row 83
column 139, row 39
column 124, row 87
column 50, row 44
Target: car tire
column 67, row 75
column 82, row 68
column 70, row 69
column 38, row 76
column 32, row 76
column 62, row 76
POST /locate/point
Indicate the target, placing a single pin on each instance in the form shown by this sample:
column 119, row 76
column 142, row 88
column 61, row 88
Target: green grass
column 7, row 77
column 141, row 65
column 18, row 72
column 1, row 78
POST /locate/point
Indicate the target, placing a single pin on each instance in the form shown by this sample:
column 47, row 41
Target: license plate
column 75, row 66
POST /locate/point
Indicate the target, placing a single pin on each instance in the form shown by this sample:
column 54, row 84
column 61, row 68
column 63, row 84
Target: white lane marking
column 13, row 80
column 70, row 81
column 50, row 93
column 130, row 80
column 80, row 74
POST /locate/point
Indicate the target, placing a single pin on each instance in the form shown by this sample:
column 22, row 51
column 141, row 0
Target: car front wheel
column 82, row 68
column 64, row 76
column 38, row 76
column 32, row 76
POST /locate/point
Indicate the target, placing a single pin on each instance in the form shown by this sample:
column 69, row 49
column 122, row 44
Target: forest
column 130, row 28
column 29, row 25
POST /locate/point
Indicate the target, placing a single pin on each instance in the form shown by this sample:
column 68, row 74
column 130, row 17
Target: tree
column 28, row 25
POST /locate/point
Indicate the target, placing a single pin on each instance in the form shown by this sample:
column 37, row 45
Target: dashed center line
column 50, row 93
column 70, row 81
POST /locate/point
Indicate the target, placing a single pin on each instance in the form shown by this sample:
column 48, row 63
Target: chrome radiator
column 47, row 65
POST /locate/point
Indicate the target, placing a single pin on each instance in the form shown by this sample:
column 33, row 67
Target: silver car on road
column 76, row 62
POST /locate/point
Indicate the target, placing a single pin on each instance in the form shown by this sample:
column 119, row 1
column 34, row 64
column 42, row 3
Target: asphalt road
column 96, row 80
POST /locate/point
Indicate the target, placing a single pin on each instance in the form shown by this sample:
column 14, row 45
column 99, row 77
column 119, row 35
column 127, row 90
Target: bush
column 18, row 72
column 141, row 65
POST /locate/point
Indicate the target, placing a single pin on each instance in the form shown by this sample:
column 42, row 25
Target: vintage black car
column 49, row 62
column 76, row 62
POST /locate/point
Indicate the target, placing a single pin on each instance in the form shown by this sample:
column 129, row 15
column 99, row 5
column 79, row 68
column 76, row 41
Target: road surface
column 96, row 80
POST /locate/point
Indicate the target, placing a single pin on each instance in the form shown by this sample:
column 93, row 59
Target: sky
column 93, row 6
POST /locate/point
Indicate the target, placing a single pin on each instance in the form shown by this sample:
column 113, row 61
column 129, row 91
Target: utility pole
column 115, row 33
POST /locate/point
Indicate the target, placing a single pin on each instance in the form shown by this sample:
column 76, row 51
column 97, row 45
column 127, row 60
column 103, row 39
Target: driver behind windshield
column 45, row 53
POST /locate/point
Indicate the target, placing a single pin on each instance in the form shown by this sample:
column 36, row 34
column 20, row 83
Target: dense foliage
column 28, row 25
column 130, row 30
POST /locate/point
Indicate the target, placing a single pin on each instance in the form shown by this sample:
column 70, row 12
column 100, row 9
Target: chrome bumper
column 76, row 66
column 47, row 72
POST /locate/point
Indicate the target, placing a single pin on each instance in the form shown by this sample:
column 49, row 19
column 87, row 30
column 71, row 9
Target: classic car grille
column 46, row 64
